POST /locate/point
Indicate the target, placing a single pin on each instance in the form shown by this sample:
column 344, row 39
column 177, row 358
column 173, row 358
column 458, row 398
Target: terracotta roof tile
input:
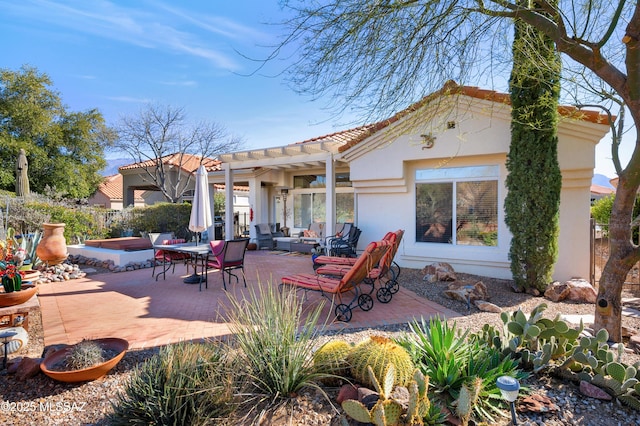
column 352, row 137
column 111, row 187
column 189, row 163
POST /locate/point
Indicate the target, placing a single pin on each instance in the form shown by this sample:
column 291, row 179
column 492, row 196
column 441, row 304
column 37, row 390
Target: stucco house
column 436, row 170
column 109, row 194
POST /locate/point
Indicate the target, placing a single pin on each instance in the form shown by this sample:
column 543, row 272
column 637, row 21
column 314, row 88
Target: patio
column 133, row 306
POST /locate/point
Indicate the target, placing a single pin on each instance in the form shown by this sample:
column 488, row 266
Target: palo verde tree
column 532, row 213
column 65, row 149
column 161, row 132
column 378, row 55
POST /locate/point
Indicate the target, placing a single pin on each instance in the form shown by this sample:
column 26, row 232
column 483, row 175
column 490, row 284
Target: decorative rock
column 536, row 403
column 593, row 391
column 557, row 291
column 439, row 271
column 467, row 292
column 28, row 368
column 487, row 307
column 368, row 397
column 581, row 291
column 347, row 392
column 634, row 343
column 401, row 395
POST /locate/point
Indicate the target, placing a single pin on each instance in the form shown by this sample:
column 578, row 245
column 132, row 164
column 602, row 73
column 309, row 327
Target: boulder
column 465, row 292
column 581, row 291
column 28, row 368
column 485, row 306
column 575, row 290
column 347, row 391
column 438, row 271
column 557, row 291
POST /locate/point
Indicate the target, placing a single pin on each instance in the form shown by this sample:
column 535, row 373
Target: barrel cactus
column 378, row 352
column 331, row 358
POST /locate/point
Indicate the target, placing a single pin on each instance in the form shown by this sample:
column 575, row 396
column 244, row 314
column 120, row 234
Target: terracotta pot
column 52, row 248
column 86, row 374
column 30, row 275
column 17, row 297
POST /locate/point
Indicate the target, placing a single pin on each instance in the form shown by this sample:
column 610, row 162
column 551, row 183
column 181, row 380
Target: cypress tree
column 534, row 180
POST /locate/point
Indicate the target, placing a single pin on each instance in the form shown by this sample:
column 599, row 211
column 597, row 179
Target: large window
column 457, row 205
column 309, row 199
column 308, row 208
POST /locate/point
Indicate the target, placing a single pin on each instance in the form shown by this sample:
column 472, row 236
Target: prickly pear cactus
column 378, row 352
column 331, row 358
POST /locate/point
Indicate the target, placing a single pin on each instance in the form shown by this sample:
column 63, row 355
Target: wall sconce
column 428, row 141
column 509, row 388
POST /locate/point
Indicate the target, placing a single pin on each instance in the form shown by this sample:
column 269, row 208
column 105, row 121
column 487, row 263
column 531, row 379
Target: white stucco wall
column 383, row 174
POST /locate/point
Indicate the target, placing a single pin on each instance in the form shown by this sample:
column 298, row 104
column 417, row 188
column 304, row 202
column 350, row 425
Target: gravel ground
column 42, row 401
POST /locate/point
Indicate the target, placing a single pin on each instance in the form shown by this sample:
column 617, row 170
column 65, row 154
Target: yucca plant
column 275, row 338
column 183, row 384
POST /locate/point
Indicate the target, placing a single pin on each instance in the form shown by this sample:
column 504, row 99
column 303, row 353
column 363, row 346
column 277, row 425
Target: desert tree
column 375, row 56
column 162, row 138
column 65, row 149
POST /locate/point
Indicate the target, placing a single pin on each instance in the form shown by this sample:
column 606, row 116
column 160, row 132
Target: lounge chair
column 227, row 256
column 385, row 272
column 264, row 236
column 331, row 287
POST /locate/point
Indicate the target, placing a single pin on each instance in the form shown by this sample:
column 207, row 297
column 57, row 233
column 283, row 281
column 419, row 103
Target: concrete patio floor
column 134, row 306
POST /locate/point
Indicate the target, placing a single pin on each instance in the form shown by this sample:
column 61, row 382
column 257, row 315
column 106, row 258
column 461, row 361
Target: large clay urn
column 52, row 248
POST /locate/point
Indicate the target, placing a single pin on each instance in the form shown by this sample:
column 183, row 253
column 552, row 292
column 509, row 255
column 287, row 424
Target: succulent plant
column 468, row 397
column 377, row 352
column 331, row 357
column 84, row 354
column 389, row 412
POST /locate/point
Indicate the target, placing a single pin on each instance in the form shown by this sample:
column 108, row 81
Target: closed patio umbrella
column 200, row 218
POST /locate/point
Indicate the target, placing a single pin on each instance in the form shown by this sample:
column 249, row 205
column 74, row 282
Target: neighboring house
column 436, row 170
column 599, row 191
column 178, row 166
column 109, row 194
column 134, row 181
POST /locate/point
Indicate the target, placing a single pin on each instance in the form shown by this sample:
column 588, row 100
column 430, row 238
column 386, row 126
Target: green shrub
column 183, row 384
column 160, row 217
column 275, row 338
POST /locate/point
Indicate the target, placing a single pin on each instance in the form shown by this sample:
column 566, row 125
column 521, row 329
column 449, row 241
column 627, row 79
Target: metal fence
column 600, row 249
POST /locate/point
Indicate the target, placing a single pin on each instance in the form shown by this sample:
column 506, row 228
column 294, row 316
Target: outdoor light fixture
column 509, row 387
column 284, row 192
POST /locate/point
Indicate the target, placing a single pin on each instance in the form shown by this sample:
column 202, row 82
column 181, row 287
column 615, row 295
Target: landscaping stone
column 465, row 292
column 487, row 306
column 438, row 271
column 593, row 391
column 575, row 290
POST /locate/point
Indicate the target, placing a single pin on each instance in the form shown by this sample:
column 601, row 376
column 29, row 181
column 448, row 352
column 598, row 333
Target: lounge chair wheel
column 393, row 286
column 384, row 295
column 365, row 302
column 343, row 313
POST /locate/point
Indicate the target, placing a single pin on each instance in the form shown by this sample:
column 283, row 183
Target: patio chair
column 168, row 258
column 227, row 256
column 345, row 246
column 384, row 272
column 264, row 236
column 331, row 287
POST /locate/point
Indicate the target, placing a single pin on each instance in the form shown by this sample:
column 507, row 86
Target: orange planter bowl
column 86, row 374
column 16, row 297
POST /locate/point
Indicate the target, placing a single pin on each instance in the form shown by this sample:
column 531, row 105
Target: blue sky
column 119, row 55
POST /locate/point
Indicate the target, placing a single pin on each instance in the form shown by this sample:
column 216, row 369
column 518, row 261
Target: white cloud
column 151, row 25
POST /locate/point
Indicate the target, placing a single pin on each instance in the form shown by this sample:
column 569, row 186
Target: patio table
column 197, row 252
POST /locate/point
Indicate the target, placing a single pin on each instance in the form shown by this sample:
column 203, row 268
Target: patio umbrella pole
column 200, row 217
column 194, row 278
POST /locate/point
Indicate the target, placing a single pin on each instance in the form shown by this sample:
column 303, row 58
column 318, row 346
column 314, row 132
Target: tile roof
column 352, row 137
column 188, row 162
column 111, row 187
